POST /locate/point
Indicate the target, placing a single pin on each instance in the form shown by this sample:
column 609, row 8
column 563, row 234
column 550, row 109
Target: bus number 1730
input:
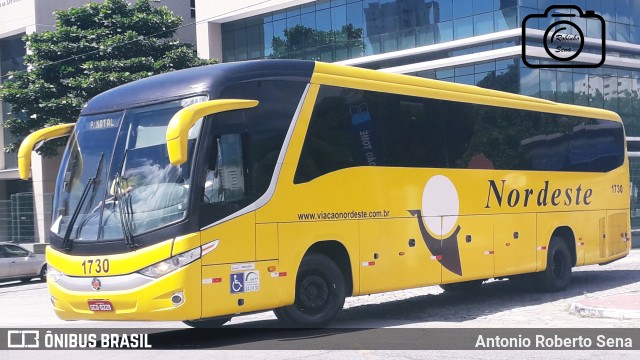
column 101, row 266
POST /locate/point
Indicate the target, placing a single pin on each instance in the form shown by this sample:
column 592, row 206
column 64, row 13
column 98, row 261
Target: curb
column 586, row 311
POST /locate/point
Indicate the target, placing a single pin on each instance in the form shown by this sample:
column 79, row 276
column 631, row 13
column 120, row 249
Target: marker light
column 171, row 264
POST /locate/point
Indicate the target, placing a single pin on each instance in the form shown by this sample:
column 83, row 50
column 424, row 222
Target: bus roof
column 193, row 81
column 213, row 78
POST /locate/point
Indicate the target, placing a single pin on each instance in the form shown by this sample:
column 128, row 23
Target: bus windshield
column 134, row 188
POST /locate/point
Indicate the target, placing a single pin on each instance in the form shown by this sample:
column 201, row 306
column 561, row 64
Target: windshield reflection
column 139, row 191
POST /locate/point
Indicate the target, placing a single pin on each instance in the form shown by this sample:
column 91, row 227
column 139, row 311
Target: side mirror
column 179, row 125
column 35, row 140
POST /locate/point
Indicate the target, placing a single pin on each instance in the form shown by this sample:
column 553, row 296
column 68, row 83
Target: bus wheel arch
column 321, row 287
column 337, row 252
column 560, row 260
column 567, row 235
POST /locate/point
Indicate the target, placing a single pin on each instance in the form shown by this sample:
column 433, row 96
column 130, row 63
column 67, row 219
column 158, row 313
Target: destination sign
column 102, row 124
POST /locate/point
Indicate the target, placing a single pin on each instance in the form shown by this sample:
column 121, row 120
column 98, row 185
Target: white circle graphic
column 440, row 205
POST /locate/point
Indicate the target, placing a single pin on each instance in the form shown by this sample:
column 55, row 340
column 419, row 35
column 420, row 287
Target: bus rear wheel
column 557, row 275
column 207, row 323
column 320, row 293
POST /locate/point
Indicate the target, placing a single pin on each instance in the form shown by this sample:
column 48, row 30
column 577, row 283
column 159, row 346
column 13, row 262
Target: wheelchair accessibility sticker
column 247, row 281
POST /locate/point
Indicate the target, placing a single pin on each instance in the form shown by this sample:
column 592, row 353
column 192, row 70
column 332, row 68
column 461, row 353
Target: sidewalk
column 619, row 306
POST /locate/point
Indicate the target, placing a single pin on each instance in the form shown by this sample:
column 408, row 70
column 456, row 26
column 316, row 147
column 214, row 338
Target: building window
column 12, row 52
column 339, row 30
column 192, row 4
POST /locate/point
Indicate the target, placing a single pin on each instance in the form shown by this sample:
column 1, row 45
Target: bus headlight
column 53, row 274
column 171, row 264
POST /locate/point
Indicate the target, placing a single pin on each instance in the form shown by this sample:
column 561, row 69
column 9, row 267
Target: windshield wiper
column 123, row 200
column 66, row 240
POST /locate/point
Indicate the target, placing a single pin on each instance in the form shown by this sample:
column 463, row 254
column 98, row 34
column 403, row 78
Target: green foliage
column 94, row 48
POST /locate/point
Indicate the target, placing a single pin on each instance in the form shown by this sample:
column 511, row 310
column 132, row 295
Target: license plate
column 100, row 305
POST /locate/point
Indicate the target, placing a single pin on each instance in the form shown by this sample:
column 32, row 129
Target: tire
column 43, row 273
column 557, row 275
column 320, row 293
column 462, row 286
column 207, row 323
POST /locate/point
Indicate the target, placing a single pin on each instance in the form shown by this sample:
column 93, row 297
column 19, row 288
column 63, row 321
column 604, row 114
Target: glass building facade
column 12, row 52
column 351, row 31
column 335, row 30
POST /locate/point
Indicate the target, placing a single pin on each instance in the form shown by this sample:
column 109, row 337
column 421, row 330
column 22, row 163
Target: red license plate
column 100, row 305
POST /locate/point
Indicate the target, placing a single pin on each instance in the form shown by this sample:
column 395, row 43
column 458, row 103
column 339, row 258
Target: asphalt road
column 496, row 305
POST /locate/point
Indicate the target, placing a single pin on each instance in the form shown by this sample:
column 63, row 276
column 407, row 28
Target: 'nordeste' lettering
column 545, row 195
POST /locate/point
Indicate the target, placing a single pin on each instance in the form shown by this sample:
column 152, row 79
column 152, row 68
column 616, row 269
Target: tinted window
column 334, row 138
column 352, row 128
column 251, row 139
column 263, row 127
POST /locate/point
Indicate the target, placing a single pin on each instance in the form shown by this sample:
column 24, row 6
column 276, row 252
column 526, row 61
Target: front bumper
column 144, row 299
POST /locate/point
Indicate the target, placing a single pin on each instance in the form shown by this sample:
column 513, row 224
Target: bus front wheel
column 320, row 293
column 557, row 275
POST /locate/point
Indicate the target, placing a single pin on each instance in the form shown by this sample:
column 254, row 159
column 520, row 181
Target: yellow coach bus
column 288, row 185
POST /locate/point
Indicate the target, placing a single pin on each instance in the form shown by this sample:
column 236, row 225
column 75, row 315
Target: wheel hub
column 314, row 293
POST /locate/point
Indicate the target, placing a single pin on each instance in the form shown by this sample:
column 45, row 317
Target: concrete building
column 25, row 206
column 477, row 42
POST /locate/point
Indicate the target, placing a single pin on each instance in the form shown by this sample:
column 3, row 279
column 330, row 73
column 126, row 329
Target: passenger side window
column 413, row 133
column 350, row 128
column 339, row 134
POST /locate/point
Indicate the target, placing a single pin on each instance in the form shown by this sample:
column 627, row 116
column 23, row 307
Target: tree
column 94, row 48
column 303, row 37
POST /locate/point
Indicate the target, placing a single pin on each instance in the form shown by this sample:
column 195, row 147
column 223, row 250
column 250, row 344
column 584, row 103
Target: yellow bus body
column 385, row 249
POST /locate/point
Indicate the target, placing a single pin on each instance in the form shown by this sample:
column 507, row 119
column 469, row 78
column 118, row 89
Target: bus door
column 224, row 195
column 229, row 271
